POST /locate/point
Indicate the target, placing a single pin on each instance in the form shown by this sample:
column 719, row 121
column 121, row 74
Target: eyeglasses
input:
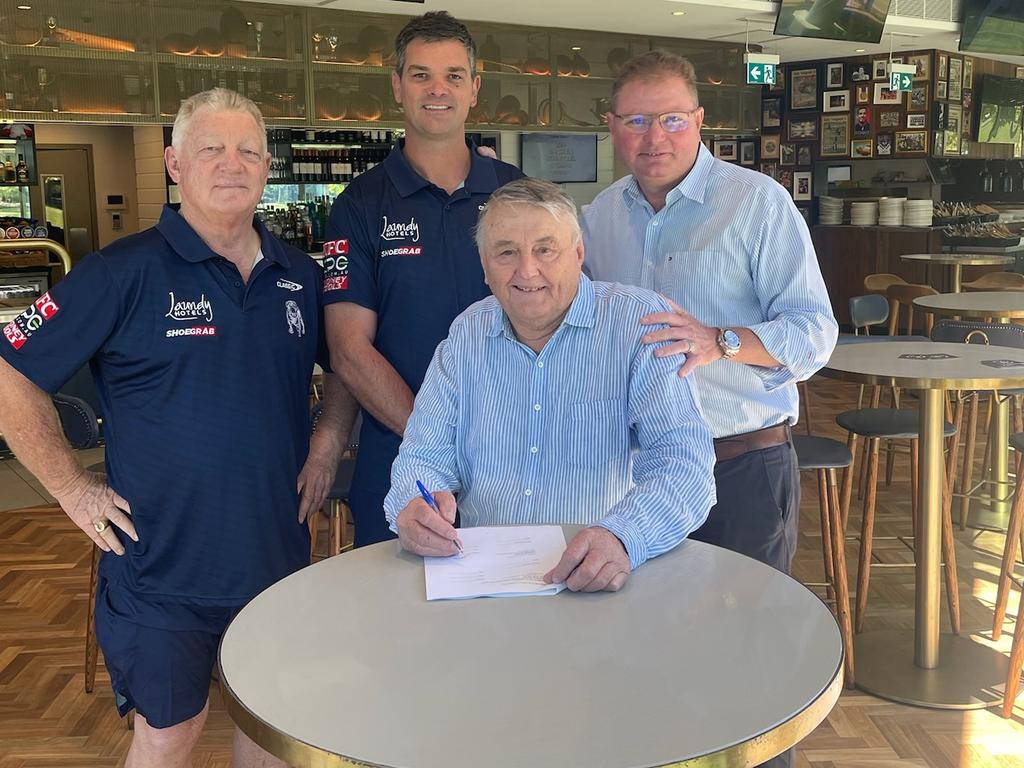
column 670, row 122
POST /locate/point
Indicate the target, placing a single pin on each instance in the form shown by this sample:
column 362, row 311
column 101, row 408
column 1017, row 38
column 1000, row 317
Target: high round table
column 957, row 261
column 1002, row 306
column 924, row 667
column 705, row 658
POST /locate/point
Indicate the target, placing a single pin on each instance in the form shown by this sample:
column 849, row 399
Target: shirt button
column 534, row 449
column 654, row 223
column 237, row 284
column 536, row 406
column 528, row 492
column 540, row 363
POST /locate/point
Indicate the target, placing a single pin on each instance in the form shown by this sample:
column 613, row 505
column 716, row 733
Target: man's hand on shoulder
column 698, row 342
column 95, row 508
column 487, row 152
column 424, row 532
column 594, row 560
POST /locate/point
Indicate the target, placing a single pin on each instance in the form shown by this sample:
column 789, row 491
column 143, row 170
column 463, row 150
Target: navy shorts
column 160, row 655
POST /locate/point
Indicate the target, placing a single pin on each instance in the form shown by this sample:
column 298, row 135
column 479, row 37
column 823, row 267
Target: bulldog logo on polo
column 399, row 230
column 293, row 315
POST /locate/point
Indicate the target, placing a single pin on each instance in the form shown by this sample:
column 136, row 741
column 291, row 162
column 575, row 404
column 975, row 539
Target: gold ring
column 101, row 526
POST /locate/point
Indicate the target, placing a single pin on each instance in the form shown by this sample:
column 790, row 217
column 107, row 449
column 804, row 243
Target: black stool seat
column 814, row 452
column 885, row 422
column 1017, row 441
column 342, row 480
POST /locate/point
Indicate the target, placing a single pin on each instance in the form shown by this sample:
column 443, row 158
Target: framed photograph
column 954, row 118
column 861, row 149
column 917, row 99
column 769, row 147
column 919, row 122
column 888, row 119
column 923, row 64
column 911, row 142
column 803, row 129
column 725, row 150
column 951, row 143
column 968, row 73
column 771, row 111
column 956, row 83
column 803, row 154
column 835, row 136
column 940, row 89
column 787, row 154
column 802, row 185
column 862, row 121
column 770, row 169
column 835, row 75
column 835, row 101
column 938, row 116
column 884, row 96
column 803, row 89
column 942, row 68
column 1019, row 73
column 880, row 69
column 786, row 179
column 967, row 100
column 779, row 86
column 747, row 152
column 863, row 94
column 883, row 144
column 837, row 173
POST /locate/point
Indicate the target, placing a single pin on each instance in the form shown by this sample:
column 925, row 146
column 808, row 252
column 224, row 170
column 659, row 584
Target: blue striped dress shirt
column 593, row 430
column 731, row 249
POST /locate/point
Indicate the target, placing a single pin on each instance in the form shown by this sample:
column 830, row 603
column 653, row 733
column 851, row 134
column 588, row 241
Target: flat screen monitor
column 993, row 26
column 560, row 157
column 860, row 21
column 999, row 110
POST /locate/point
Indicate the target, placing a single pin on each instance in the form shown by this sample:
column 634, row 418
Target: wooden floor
column 47, row 720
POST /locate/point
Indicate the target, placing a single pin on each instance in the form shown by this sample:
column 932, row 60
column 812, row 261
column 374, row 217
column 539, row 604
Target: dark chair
column 824, row 456
column 335, row 507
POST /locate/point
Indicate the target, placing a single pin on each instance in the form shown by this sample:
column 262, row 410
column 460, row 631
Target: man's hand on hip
column 698, row 342
column 424, row 532
column 595, row 560
column 95, row 508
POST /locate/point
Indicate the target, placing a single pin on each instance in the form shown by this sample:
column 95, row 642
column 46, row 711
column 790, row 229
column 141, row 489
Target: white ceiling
column 704, row 19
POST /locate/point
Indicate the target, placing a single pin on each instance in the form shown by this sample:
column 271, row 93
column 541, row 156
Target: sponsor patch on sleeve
column 336, row 265
column 21, row 328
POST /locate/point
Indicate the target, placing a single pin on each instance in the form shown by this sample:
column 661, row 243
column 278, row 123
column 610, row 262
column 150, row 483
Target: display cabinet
column 18, row 155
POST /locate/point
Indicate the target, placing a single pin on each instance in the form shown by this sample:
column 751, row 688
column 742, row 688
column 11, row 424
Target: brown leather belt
column 736, row 445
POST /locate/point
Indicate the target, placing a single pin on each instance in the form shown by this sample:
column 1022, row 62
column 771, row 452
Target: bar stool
column 335, row 507
column 996, row 281
column 876, row 425
column 880, row 282
column 1014, row 536
column 824, row 456
column 903, row 294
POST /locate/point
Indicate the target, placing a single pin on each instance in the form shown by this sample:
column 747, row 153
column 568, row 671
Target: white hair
column 215, row 100
column 537, row 193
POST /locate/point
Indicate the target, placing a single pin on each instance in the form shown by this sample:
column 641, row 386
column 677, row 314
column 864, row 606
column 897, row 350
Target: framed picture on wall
column 802, row 185
column 862, row 121
column 942, row 66
column 885, row 96
column 883, row 144
column 769, row 147
column 771, row 112
column 917, row 121
column 889, row 119
column 803, row 129
column 911, row 142
column 880, row 69
column 917, row 99
column 1019, row 73
column 787, row 154
column 803, row 154
column 835, row 101
column 770, row 169
column 835, row 136
column 956, row 83
column 780, row 80
column 861, row 148
column 968, row 73
column 863, row 94
column 940, row 89
column 922, row 63
column 835, row 75
column 747, row 152
column 803, row 89
column 725, row 150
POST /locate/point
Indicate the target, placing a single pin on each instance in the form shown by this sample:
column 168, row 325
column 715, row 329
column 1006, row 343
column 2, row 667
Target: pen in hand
column 433, row 505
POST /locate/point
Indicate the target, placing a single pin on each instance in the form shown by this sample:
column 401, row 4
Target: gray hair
column 215, row 100
column 434, row 27
column 537, row 193
column 653, row 64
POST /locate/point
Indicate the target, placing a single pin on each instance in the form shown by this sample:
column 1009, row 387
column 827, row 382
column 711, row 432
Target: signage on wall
column 761, row 68
column 901, row 77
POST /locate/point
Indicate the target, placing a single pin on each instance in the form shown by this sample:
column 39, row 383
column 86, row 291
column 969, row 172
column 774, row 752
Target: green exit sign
column 901, row 81
column 760, row 74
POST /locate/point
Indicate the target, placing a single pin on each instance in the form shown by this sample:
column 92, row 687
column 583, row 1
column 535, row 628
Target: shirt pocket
column 593, row 433
column 690, row 277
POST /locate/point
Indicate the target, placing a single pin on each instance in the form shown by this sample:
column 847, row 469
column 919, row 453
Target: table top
column 966, row 259
column 975, row 304
column 961, row 366
column 704, row 652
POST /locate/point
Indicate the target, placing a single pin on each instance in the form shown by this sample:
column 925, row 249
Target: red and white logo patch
column 21, row 328
column 336, row 283
column 15, row 335
column 334, row 247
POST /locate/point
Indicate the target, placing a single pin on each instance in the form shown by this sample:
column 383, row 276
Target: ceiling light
column 678, row 13
column 24, row 7
column 859, row 50
column 576, row 48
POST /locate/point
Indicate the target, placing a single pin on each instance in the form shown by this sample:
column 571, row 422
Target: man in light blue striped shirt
column 729, row 247
column 544, row 406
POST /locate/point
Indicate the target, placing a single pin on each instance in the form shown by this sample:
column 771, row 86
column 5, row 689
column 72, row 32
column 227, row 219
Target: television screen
column 560, row 157
column 993, row 26
column 1000, row 109
column 859, row 21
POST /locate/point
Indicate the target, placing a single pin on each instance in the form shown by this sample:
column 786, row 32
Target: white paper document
column 501, row 561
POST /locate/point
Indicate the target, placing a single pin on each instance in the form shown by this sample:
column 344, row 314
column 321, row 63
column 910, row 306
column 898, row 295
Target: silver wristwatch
column 728, row 342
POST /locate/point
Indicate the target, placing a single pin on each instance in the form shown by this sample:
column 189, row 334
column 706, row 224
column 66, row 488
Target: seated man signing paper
column 543, row 406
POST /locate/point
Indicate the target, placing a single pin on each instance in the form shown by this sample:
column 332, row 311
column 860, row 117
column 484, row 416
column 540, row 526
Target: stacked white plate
column 830, row 210
column 890, row 211
column 917, row 213
column 864, row 214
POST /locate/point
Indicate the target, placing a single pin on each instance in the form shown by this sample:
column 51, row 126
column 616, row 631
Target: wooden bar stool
column 824, row 456
column 996, row 281
column 1014, row 536
column 880, row 282
column 901, row 295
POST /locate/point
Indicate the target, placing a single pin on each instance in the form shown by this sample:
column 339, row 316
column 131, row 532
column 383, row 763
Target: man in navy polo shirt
column 400, row 262
column 202, row 334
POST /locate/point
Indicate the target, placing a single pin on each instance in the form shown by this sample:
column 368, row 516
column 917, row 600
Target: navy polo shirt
column 204, row 384
column 404, row 248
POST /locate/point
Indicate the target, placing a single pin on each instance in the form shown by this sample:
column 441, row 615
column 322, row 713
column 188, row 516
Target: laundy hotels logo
column 336, row 265
column 21, row 328
column 400, row 230
column 187, row 311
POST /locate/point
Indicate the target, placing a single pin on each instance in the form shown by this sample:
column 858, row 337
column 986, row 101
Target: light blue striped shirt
column 731, row 249
column 593, row 430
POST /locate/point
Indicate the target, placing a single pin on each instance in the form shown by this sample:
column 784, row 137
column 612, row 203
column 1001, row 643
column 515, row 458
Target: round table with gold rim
column 957, row 261
column 705, row 658
column 925, row 667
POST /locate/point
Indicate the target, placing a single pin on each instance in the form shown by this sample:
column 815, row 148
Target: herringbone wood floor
column 47, row 721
